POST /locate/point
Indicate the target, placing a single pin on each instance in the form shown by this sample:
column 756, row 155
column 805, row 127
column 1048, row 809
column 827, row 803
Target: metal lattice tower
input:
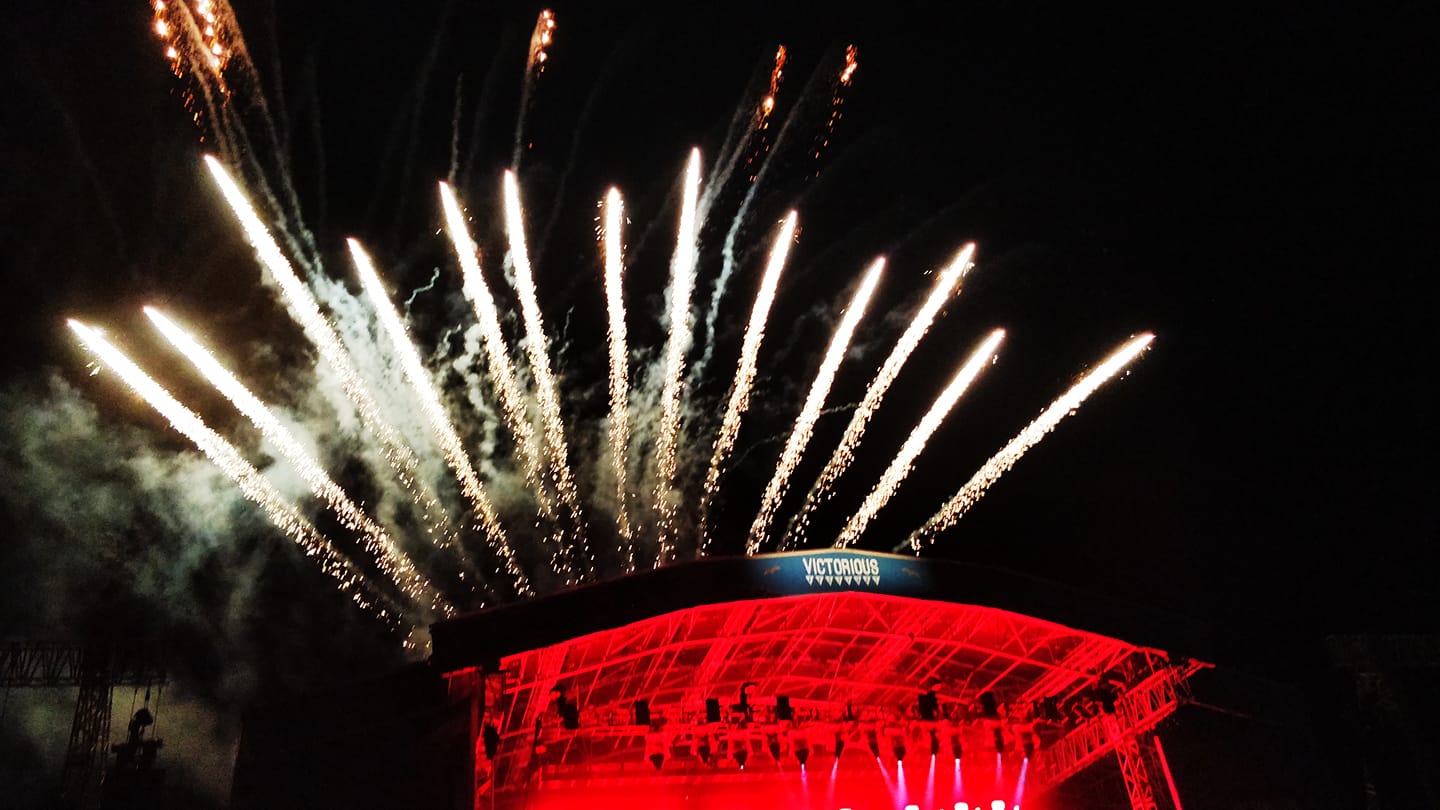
column 95, row 670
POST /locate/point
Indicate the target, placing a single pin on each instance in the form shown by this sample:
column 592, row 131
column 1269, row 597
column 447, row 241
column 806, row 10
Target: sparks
column 619, row 431
column 348, row 579
column 1002, row 461
column 810, row 412
column 388, row 557
column 497, row 352
column 946, row 284
column 745, row 372
column 537, row 346
column 682, row 282
column 424, row 391
column 904, row 461
column 306, row 311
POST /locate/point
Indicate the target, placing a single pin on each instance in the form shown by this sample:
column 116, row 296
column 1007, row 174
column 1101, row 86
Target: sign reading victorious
column 811, row 571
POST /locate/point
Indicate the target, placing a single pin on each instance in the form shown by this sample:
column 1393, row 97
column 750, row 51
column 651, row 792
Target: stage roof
column 485, row 637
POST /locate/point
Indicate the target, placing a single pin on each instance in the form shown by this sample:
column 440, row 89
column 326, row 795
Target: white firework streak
column 946, row 284
column 1002, row 461
column 389, row 558
column 810, row 412
column 682, row 283
column 904, row 461
column 619, row 368
column 424, row 390
column 537, row 346
column 497, row 353
column 348, row 579
column 744, row 373
column 306, row 311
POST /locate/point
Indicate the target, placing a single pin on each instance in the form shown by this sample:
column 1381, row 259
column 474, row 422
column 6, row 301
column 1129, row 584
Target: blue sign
column 833, row 570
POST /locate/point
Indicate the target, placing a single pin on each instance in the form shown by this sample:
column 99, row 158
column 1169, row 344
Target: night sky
column 1259, row 188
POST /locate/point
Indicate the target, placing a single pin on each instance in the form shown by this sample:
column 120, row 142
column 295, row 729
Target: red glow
column 852, row 666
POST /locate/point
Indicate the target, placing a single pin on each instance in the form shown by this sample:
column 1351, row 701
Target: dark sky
column 1257, row 187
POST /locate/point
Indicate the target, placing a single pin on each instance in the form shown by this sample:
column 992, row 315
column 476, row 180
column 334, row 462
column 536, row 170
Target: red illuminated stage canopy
column 822, row 679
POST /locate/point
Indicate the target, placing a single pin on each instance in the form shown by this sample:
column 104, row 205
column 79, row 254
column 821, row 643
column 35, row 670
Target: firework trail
column 904, row 461
column 1002, row 461
column 946, row 284
column 762, row 114
column 546, row 394
column 682, row 283
column 497, row 353
column 348, row 579
column 837, row 99
column 205, row 48
column 390, row 559
column 540, row 40
column 614, row 216
column 424, row 391
column 760, row 121
column 744, row 374
column 727, row 246
column 321, row 332
column 810, row 412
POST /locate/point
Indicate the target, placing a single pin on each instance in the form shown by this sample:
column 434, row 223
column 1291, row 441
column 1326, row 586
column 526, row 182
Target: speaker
column 642, row 712
column 782, row 708
column 712, row 710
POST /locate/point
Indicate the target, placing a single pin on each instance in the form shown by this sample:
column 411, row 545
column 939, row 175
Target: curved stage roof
column 484, row 637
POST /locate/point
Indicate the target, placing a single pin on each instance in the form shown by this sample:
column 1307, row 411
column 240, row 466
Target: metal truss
column 96, row 670
column 849, row 664
column 60, row 664
column 1137, row 711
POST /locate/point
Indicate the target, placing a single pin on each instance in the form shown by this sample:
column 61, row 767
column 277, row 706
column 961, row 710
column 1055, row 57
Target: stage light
column 998, row 804
column 772, row 741
column 704, row 752
column 912, row 807
column 657, row 760
column 928, row 705
column 802, row 755
column 934, row 743
column 490, row 737
column 740, row 757
column 999, row 742
column 899, row 751
column 872, row 741
column 955, row 747
column 839, row 745
column 568, row 711
column 642, row 712
column 961, row 806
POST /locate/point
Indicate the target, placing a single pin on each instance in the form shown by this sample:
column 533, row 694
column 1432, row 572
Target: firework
column 810, row 412
column 321, row 332
column 539, row 52
column 207, row 52
column 945, row 285
column 1002, row 461
column 682, row 281
column 837, row 99
column 390, row 559
column 745, row 372
column 537, row 346
column 904, row 461
column 497, row 353
column 348, row 579
column 614, row 215
column 424, row 391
